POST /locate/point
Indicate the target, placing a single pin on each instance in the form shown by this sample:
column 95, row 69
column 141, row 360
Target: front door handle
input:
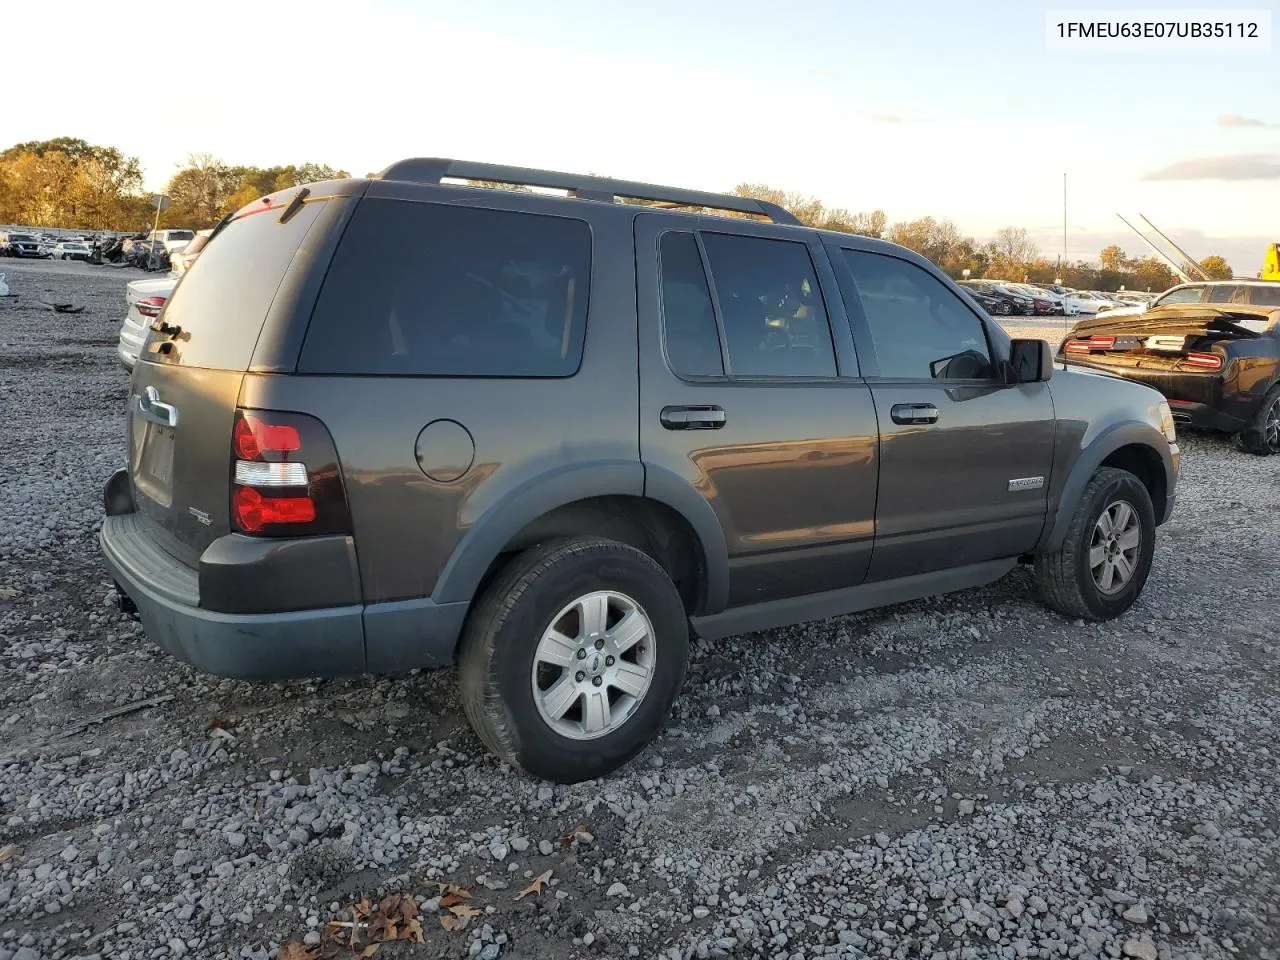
column 693, row 418
column 914, row 413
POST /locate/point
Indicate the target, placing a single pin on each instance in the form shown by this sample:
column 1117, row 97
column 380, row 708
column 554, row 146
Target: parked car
column 1240, row 291
column 1007, row 301
column 173, row 240
column 144, row 300
column 1081, row 301
column 395, row 422
column 27, row 246
column 988, row 301
column 1218, row 365
column 70, row 250
column 1042, row 303
column 181, row 261
column 1053, row 298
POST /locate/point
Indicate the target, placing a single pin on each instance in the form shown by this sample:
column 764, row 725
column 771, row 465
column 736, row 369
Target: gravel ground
column 970, row 776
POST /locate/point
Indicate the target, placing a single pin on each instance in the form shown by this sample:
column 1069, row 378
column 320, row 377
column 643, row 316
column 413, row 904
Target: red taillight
column 252, row 437
column 1102, row 343
column 150, row 306
column 285, row 479
column 253, row 511
column 1204, row 361
column 1077, row 346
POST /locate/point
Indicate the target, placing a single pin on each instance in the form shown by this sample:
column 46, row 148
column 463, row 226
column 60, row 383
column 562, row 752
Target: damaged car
column 1218, row 365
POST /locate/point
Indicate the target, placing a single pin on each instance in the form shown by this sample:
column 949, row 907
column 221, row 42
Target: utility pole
column 1064, row 217
column 162, row 203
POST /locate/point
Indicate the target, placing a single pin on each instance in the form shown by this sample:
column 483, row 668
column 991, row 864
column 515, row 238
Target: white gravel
column 965, row 777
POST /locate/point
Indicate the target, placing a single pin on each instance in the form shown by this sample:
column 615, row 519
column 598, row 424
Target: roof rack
column 436, row 169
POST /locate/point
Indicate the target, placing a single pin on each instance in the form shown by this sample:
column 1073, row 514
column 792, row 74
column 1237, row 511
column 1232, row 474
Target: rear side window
column 689, row 320
column 423, row 289
column 220, row 307
column 774, row 320
column 1265, row 296
column 1223, row 294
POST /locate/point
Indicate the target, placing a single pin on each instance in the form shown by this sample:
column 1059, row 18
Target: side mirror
column 1030, row 361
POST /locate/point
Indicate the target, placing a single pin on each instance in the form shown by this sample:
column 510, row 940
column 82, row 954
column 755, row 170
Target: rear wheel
column 1004, row 308
column 571, row 659
column 1262, row 435
column 1105, row 559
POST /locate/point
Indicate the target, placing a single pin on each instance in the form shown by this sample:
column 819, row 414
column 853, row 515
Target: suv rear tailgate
column 187, row 381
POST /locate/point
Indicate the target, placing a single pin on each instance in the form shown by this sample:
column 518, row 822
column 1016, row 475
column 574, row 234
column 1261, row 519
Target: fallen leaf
column 448, row 900
column 413, row 931
column 370, row 950
column 535, row 886
column 448, row 922
column 221, row 723
column 453, row 889
column 293, row 950
column 464, row 911
column 568, row 838
column 12, row 850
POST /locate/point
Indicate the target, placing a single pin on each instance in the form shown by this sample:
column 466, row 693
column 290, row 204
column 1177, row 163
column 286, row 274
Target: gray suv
column 398, row 422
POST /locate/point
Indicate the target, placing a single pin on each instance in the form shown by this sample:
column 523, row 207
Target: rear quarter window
column 220, row 306
column 428, row 289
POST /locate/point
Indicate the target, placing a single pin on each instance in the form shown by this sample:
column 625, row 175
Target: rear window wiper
column 295, row 204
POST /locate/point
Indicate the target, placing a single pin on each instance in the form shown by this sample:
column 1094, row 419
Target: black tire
column 1004, row 308
column 501, row 638
column 1065, row 578
column 1262, row 436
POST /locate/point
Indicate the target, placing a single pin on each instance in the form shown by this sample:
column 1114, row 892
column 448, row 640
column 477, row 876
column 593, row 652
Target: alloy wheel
column 593, row 665
column 1114, row 548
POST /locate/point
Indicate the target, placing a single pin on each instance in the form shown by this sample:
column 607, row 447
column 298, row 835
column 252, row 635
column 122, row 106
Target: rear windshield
column 426, row 289
column 221, row 306
column 177, row 234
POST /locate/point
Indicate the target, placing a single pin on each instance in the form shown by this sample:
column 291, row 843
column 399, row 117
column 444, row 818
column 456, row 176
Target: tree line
column 67, row 182
column 1011, row 254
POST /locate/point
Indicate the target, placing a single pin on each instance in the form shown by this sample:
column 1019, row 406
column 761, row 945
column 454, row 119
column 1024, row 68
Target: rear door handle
column 693, row 418
column 914, row 413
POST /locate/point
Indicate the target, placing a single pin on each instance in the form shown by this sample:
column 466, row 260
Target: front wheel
column 1004, row 308
column 1105, row 558
column 1262, row 435
column 572, row 658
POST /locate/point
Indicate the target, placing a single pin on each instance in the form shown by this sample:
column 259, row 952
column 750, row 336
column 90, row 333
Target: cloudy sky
column 916, row 108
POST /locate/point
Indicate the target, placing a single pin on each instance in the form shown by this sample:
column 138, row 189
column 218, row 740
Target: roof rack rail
column 436, row 169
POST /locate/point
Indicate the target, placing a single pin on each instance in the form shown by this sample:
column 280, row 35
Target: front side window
column 1180, row 295
column 920, row 329
column 774, row 320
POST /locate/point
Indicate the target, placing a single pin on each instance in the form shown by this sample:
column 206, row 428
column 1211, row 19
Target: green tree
column 1150, row 274
column 1217, row 268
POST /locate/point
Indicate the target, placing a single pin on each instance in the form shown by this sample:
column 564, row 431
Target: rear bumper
column 1202, row 416
column 335, row 641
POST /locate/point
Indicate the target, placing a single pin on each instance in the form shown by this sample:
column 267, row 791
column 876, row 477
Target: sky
column 922, row 108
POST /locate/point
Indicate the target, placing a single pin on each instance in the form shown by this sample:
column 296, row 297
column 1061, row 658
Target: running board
column 836, row 603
